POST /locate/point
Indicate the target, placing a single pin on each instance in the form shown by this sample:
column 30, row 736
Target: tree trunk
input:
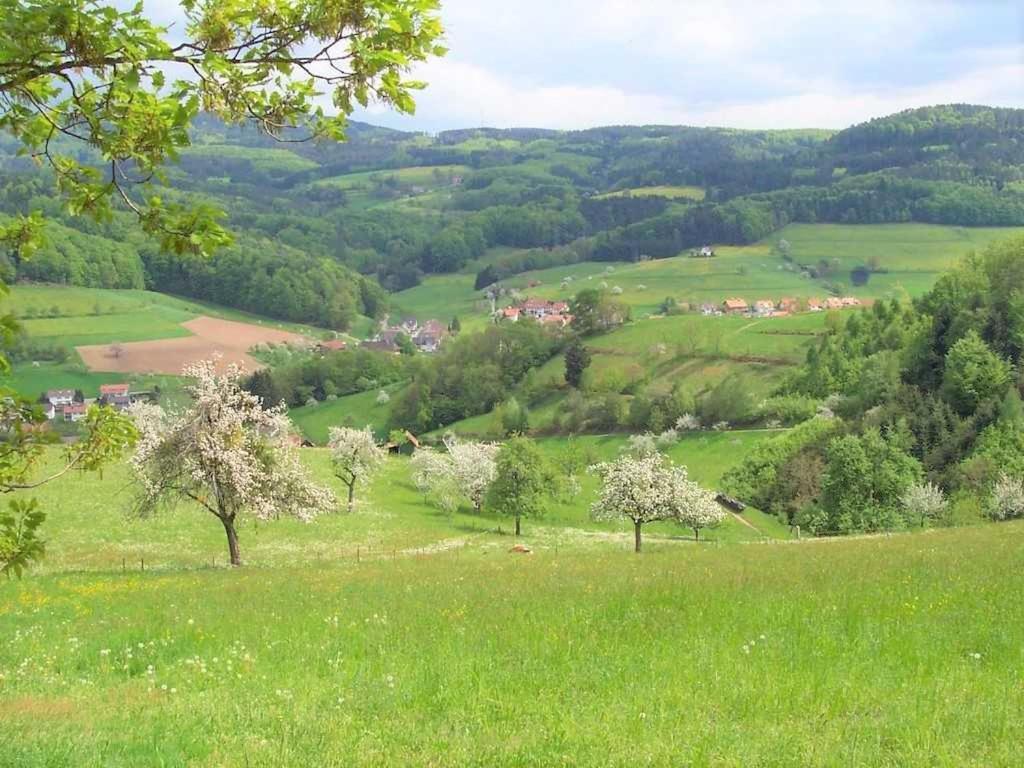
column 696, row 534
column 636, row 535
column 517, row 525
column 229, row 529
column 351, row 496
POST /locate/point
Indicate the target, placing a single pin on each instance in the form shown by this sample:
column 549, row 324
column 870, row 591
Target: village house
column 49, row 411
column 709, row 310
column 815, row 305
column 541, row 308
column 556, row 321
column 850, row 301
column 788, row 305
column 117, row 396
column 511, row 314
column 430, row 336
column 114, row 394
column 833, row 302
column 332, row 345
column 764, row 308
column 735, row 306
column 58, row 398
column 74, row 411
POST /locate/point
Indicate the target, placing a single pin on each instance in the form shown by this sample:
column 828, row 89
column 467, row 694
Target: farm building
column 74, row 411
column 735, row 306
column 334, row 345
column 59, row 397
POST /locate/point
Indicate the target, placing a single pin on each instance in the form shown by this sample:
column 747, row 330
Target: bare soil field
column 211, row 336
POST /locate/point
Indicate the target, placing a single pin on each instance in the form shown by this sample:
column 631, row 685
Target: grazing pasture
column 821, row 653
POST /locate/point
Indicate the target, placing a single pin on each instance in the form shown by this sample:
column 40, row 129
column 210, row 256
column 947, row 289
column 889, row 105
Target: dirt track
column 168, row 356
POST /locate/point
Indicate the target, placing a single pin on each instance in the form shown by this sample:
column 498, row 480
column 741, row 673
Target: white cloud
column 463, row 94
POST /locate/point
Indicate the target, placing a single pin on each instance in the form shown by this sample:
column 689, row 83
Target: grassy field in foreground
column 890, row 651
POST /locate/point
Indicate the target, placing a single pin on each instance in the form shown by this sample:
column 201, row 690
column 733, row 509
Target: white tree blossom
column 383, row 397
column 649, row 488
column 355, row 456
column 924, row 502
column 641, row 445
column 696, row 507
column 667, row 439
column 473, row 467
column 465, row 471
column 1007, row 499
column 687, row 423
column 433, row 476
column 226, row 453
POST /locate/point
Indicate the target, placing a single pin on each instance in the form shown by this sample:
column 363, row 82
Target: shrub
column 1007, row 499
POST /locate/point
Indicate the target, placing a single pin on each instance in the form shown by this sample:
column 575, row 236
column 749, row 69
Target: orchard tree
column 523, row 480
column 473, row 468
column 355, row 457
column 433, row 476
column 100, row 73
column 696, row 507
column 647, row 488
column 226, row 453
column 465, row 471
column 577, row 360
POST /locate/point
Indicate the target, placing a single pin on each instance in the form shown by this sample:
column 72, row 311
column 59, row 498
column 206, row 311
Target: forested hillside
column 321, row 228
column 924, row 396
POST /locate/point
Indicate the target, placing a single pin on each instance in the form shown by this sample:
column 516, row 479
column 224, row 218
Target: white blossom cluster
column 687, row 423
column 355, row 456
column 1007, row 500
column 225, row 452
column 924, row 502
column 466, row 470
column 648, row 488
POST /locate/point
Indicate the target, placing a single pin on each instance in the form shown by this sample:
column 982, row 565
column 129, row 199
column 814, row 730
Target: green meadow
column 910, row 257
column 685, row 193
column 398, row 635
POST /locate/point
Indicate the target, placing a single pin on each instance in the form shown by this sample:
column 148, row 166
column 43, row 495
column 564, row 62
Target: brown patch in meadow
column 37, row 707
column 231, row 340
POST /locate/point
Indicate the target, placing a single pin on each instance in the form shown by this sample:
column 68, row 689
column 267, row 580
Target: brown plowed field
column 211, row 336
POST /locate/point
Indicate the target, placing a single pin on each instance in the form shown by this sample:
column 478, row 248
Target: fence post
column 358, row 554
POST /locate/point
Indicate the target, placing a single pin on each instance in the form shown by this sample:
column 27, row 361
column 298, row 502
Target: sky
column 737, row 63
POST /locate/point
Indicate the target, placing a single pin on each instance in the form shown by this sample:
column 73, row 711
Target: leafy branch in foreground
column 106, row 436
column 85, row 71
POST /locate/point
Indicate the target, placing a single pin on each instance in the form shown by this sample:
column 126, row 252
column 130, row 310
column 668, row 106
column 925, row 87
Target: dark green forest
column 324, row 230
column 922, row 392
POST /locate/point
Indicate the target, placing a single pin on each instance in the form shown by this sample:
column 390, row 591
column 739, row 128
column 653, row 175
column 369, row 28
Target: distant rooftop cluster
column 427, row 337
column 780, row 308
column 73, row 405
column 550, row 313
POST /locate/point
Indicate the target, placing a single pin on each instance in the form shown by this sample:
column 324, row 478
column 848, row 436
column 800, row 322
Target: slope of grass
column 888, row 651
column 911, row 255
column 358, row 410
column 685, row 193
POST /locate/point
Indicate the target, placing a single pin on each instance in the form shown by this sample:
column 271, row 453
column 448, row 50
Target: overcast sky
column 764, row 64
column 738, row 63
